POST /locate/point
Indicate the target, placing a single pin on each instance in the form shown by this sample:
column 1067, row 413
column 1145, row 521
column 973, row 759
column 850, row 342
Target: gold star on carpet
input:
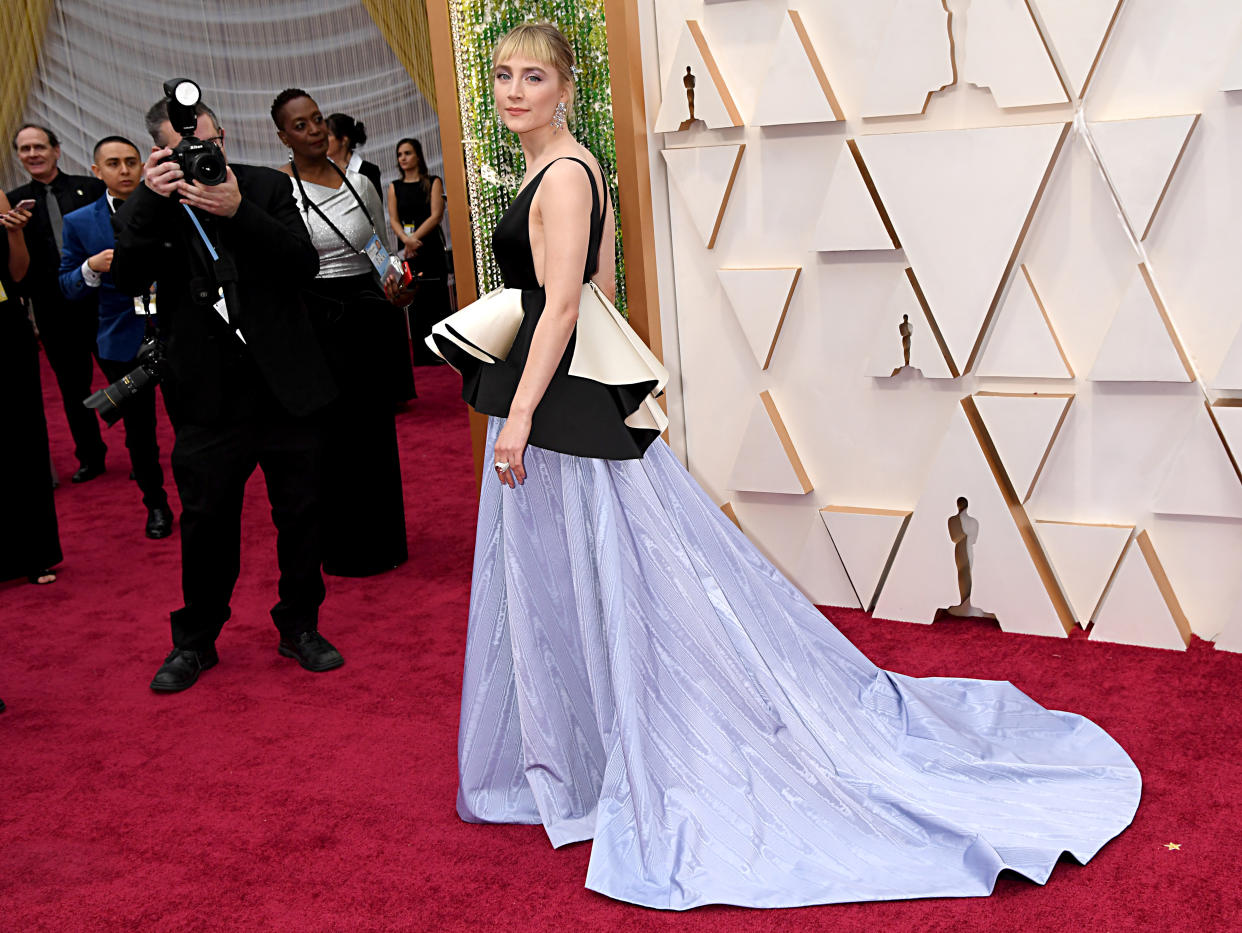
column 1172, row 845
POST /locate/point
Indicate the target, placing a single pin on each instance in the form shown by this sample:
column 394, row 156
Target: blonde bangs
column 542, row 43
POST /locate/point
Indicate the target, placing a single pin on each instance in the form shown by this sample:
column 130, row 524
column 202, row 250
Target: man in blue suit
column 86, row 261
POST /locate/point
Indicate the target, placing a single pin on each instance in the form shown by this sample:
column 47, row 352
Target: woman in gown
column 638, row 674
column 29, row 537
column 415, row 209
column 363, row 504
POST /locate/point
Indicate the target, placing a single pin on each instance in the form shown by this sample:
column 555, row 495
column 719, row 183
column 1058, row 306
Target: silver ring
column 501, row 465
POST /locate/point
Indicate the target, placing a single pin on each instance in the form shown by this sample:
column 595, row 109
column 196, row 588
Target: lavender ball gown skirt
column 638, row 674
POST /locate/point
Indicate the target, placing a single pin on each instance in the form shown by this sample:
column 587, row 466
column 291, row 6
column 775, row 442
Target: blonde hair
column 544, row 43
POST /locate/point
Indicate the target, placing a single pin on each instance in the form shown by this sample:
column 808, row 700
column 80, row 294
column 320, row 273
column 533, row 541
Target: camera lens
column 207, row 168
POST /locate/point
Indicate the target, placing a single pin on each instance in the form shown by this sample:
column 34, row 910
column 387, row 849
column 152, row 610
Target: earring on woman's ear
column 558, row 118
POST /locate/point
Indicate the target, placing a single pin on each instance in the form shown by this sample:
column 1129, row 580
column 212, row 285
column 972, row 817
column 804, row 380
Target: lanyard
column 324, row 217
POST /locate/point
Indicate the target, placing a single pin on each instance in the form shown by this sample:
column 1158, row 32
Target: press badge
column 378, row 255
column 384, row 263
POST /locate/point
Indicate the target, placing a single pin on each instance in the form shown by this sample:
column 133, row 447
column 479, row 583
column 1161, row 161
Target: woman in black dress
column 363, row 506
column 29, row 537
column 415, row 208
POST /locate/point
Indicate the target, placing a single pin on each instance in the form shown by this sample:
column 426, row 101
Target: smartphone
column 26, row 205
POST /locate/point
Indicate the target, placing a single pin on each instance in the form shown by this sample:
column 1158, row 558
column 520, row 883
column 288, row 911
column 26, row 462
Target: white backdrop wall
column 104, row 63
column 871, row 442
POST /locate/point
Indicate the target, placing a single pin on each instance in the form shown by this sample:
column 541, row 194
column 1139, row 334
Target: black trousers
column 68, row 337
column 138, row 416
column 211, row 465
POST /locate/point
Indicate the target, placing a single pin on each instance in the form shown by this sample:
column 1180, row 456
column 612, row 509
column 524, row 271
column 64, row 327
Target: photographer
column 245, row 378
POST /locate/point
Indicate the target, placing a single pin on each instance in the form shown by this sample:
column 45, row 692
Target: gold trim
column 1221, row 434
column 1099, row 53
column 1052, row 439
column 1056, row 339
column 1043, row 567
column 1167, row 321
column 1169, row 180
column 786, row 442
column 1017, row 246
column 696, row 33
column 1158, row 574
column 816, row 65
column 931, row 322
column 724, row 201
column 727, row 508
column 1069, row 95
column 874, row 192
column 863, row 510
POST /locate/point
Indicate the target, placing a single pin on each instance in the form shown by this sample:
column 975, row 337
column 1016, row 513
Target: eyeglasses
column 215, row 139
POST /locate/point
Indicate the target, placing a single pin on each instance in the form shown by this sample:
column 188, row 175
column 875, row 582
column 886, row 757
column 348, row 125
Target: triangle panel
column 1022, row 428
column 713, row 104
column 1140, row 607
column 904, row 310
column 866, row 541
column 1084, row 558
column 795, row 88
column 851, row 218
column 1229, row 376
column 760, row 299
column 914, row 60
column 1227, row 414
column 1139, row 158
column 1202, row 479
column 766, row 460
column 961, row 203
column 1139, row 345
column 704, row 176
column 1078, row 30
column 1232, row 79
column 1005, row 53
column 1023, row 343
column 1006, row 579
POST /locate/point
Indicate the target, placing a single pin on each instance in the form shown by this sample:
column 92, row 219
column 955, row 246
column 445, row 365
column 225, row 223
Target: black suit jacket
column 371, row 171
column 267, row 259
column 42, row 282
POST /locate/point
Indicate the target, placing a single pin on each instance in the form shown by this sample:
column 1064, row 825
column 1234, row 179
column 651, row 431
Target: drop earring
column 558, row 117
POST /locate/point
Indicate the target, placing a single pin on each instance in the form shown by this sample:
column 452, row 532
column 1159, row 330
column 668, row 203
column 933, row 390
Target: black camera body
column 109, row 400
column 200, row 160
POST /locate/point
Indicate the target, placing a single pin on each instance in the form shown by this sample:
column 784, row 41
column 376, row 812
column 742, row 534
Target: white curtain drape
column 104, row 63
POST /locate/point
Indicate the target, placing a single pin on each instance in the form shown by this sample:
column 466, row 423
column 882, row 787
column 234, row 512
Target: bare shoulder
column 565, row 178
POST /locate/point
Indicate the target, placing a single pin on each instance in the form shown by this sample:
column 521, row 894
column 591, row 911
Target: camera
column 199, row 160
column 144, row 377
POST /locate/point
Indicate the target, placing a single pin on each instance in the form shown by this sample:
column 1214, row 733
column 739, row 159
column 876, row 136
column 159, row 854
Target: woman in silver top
column 364, row 511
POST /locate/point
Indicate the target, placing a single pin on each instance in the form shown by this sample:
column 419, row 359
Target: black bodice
column 576, row 416
column 511, row 238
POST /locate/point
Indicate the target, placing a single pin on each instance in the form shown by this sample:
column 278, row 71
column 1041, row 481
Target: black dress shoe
column 87, row 472
column 312, row 651
column 159, row 522
column 181, row 669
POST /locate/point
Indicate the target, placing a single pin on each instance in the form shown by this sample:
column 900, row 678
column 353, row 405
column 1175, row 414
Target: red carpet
column 270, row 798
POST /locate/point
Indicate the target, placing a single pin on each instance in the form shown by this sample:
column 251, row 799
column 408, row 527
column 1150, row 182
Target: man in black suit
column 246, row 383
column 67, row 328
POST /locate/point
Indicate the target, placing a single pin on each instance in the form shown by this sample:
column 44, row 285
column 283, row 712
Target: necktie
column 55, row 218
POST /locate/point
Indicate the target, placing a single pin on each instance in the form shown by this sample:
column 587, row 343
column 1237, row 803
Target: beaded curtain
column 494, row 164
